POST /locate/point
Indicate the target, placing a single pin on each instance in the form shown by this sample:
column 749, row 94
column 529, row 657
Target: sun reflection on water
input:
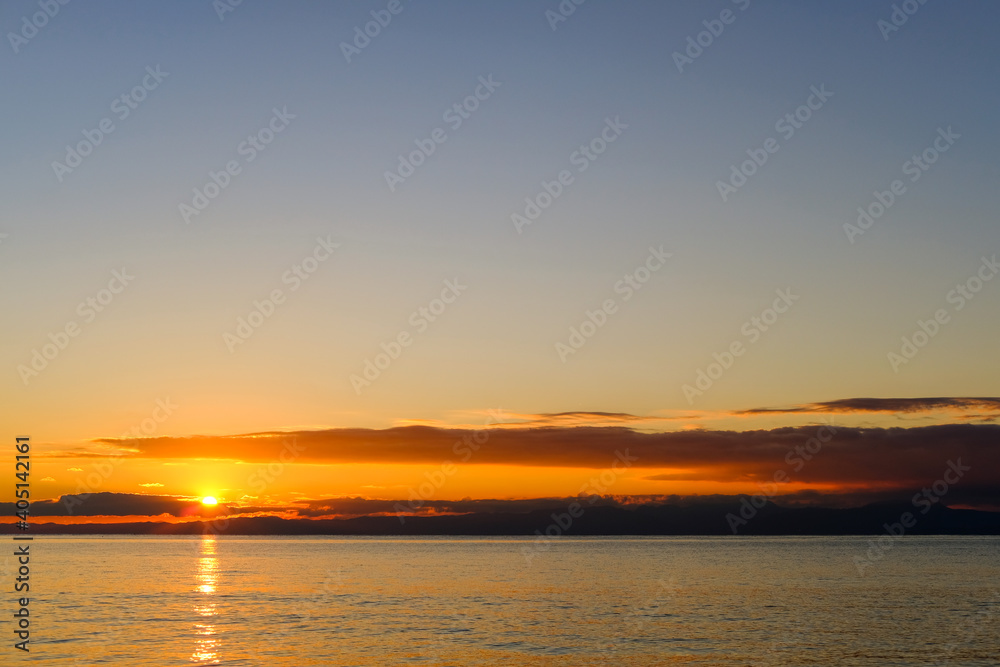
column 206, row 650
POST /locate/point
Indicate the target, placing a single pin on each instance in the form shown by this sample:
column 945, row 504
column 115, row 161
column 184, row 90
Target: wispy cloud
column 903, row 405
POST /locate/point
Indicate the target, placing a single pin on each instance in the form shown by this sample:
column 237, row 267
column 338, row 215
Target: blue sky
column 655, row 185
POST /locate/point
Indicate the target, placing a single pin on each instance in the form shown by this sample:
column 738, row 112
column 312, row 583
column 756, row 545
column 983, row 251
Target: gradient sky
column 495, row 346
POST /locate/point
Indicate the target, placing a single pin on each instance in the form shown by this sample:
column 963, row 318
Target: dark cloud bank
column 948, row 476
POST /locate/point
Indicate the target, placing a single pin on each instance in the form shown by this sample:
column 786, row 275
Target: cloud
column 75, row 469
column 853, row 460
column 513, row 420
column 151, row 485
column 853, row 457
column 356, row 506
column 136, row 505
column 114, row 504
column 858, row 454
column 48, row 479
column 582, row 418
column 904, row 405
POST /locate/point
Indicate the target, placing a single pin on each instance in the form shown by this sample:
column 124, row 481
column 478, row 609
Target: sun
column 209, row 500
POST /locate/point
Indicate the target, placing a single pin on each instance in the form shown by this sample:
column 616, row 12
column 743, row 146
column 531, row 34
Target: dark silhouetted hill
column 698, row 519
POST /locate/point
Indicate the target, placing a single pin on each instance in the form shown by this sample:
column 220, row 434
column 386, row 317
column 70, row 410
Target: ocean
column 299, row 601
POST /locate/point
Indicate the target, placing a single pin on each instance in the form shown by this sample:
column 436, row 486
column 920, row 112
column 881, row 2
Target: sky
column 546, row 222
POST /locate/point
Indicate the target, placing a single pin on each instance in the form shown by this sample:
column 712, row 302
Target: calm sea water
column 472, row 601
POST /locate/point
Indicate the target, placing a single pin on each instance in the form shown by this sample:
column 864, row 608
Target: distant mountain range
column 699, row 519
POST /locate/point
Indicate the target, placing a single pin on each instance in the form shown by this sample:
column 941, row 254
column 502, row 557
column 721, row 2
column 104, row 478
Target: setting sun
column 209, row 500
